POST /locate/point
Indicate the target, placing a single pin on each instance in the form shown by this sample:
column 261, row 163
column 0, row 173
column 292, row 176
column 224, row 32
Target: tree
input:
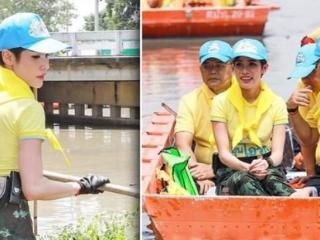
column 117, row 15
column 57, row 15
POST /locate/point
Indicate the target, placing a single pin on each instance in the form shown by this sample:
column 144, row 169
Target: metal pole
column 96, row 15
column 109, row 187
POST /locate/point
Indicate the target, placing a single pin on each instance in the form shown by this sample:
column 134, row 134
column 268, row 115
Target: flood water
column 113, row 153
column 170, row 67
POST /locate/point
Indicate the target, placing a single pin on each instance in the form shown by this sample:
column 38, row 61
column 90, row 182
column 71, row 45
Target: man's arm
column 300, row 97
column 184, row 143
column 307, row 135
column 200, row 171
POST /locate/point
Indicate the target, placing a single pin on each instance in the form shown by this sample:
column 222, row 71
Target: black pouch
column 313, row 181
column 4, row 190
column 15, row 193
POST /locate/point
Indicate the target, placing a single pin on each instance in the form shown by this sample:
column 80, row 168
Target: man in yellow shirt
column 302, row 102
column 193, row 119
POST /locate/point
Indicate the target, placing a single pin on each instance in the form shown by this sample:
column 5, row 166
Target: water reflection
column 113, row 153
column 170, row 67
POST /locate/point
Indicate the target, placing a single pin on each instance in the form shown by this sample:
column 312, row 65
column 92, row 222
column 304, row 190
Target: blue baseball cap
column 317, row 51
column 215, row 49
column 305, row 61
column 27, row 30
column 250, row 48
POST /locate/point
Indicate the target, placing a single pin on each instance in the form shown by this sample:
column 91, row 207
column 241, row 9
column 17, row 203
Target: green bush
column 100, row 227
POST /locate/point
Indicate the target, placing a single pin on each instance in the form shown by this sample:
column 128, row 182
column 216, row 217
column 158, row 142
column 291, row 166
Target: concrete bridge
column 97, row 82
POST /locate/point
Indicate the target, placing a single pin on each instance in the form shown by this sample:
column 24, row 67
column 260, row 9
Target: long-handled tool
column 107, row 187
column 169, row 109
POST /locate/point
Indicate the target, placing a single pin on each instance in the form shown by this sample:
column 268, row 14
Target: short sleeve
column 218, row 106
column 311, row 118
column 185, row 118
column 281, row 113
column 31, row 122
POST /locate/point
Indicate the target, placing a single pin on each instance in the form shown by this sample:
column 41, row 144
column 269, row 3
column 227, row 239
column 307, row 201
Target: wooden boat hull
column 204, row 21
column 222, row 217
column 228, row 217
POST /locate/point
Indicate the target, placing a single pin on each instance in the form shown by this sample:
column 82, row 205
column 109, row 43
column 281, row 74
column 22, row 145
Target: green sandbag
column 177, row 163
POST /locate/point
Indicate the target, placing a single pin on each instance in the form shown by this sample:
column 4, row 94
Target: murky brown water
column 110, row 152
column 170, row 67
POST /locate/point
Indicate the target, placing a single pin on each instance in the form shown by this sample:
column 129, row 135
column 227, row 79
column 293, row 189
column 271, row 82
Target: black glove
column 91, row 183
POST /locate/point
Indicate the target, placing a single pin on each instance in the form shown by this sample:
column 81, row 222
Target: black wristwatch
column 269, row 161
column 292, row 110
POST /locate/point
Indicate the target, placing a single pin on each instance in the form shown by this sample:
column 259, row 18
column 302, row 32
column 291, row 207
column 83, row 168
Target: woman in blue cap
column 24, row 47
column 249, row 126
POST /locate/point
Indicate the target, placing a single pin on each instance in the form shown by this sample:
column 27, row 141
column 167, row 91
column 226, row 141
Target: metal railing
column 112, row 42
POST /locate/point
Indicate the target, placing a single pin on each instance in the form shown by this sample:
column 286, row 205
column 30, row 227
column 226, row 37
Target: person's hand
column 259, row 168
column 204, row 186
column 91, row 183
column 259, row 164
column 299, row 181
column 201, row 171
column 300, row 97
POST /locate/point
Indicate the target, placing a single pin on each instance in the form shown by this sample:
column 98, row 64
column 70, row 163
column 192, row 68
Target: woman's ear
column 7, row 57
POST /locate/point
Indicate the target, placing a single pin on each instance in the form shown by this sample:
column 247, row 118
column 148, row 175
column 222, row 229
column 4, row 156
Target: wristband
column 292, row 110
column 269, row 161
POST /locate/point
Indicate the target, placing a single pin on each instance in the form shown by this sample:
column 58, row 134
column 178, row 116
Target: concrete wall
column 93, row 84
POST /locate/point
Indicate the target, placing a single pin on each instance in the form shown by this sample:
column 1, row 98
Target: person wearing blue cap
column 302, row 106
column 193, row 119
column 249, row 122
column 24, row 47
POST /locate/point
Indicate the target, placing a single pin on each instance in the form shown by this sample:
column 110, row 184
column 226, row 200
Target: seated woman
column 249, row 126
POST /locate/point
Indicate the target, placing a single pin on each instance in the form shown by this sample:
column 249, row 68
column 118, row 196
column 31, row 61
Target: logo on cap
column 214, row 48
column 300, row 58
column 246, row 47
column 38, row 29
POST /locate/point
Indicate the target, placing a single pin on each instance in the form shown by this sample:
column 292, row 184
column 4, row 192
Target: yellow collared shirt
column 223, row 111
column 193, row 117
column 20, row 119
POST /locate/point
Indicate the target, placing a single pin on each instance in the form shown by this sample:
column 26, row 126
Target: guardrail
column 103, row 43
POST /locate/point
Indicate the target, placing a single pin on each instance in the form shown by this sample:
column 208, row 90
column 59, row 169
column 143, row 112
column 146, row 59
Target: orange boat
column 219, row 217
column 204, row 21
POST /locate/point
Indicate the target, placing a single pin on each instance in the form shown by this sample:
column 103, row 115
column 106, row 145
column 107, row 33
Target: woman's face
column 248, row 72
column 32, row 67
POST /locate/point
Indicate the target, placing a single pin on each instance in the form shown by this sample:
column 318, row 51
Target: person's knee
column 240, row 178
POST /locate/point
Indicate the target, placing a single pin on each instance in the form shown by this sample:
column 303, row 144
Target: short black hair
column 263, row 61
column 16, row 52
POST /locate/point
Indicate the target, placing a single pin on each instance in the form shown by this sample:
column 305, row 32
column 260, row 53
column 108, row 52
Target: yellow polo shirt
column 314, row 122
column 303, row 110
column 21, row 117
column 194, row 117
column 224, row 111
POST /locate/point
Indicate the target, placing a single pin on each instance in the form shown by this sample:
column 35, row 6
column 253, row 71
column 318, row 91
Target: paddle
column 107, row 187
column 169, row 109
